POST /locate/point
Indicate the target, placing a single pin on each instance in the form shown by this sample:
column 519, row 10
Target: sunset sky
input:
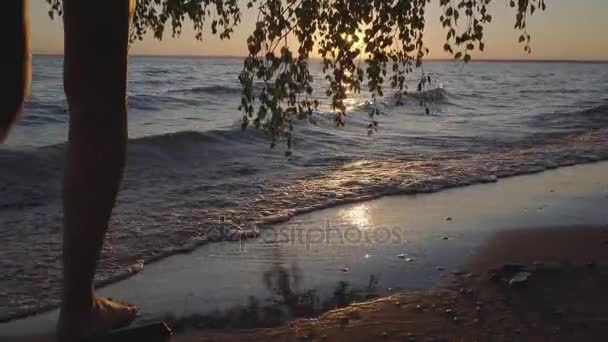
column 569, row 29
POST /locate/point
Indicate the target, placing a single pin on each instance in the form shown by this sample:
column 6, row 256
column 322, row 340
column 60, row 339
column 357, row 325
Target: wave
column 213, row 89
column 590, row 118
column 434, row 96
column 185, row 139
column 159, row 102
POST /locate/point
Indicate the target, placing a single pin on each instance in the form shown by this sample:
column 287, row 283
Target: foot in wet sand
column 105, row 315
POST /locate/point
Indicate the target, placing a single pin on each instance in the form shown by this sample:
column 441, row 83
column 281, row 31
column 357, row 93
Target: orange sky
column 567, row 30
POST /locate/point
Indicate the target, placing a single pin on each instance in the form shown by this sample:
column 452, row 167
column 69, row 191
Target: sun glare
column 358, row 216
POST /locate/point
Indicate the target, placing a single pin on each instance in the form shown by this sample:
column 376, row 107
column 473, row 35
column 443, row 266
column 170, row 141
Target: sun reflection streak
column 358, row 216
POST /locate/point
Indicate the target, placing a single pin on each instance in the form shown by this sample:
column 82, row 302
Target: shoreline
column 579, row 175
column 337, row 199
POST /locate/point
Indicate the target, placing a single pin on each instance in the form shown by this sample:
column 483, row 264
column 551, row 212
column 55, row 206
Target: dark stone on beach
column 445, row 238
column 155, row 332
column 495, row 277
column 384, row 334
column 439, row 268
column 520, row 279
column 448, row 219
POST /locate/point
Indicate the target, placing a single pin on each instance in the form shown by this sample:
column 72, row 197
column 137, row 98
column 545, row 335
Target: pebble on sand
column 519, row 279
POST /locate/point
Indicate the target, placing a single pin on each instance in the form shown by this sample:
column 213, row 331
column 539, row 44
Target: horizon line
column 514, row 60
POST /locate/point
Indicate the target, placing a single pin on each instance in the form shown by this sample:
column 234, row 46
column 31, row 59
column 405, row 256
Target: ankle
column 77, row 302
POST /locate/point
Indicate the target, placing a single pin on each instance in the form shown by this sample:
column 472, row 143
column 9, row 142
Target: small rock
column 401, row 256
column 445, row 238
column 410, row 259
column 448, row 311
column 419, row 307
column 344, row 269
column 439, row 268
column 384, row 334
column 448, row 219
column 495, row 277
column 519, row 279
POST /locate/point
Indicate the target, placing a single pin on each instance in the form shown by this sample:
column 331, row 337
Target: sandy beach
column 563, row 299
column 449, row 282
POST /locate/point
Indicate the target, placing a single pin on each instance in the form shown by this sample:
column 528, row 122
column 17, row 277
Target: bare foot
column 105, row 315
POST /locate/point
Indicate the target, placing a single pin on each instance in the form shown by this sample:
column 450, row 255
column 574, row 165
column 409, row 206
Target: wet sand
column 564, row 298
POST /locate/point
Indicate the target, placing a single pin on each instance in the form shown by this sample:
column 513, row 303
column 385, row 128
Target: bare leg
column 95, row 77
column 14, row 62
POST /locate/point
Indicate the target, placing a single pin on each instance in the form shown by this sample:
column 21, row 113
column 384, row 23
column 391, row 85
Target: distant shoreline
column 557, row 61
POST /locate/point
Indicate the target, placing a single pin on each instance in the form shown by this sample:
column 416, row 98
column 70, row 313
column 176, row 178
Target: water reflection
column 357, row 215
column 286, row 301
